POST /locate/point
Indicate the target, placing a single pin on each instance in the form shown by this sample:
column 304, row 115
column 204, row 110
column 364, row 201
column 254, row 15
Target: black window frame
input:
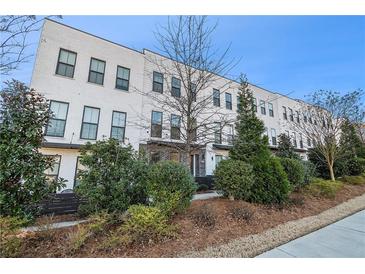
column 152, row 124
column 291, row 114
column 76, row 171
column 263, row 107
column 59, row 165
column 230, row 135
column 216, row 99
column 298, row 117
column 154, row 82
column 273, row 138
column 285, row 113
column 125, row 125
column 64, row 128
column 58, row 63
column 96, row 59
column 122, row 79
column 175, row 129
column 193, row 87
column 175, row 91
column 228, row 102
column 82, row 124
column 271, row 110
column 217, row 132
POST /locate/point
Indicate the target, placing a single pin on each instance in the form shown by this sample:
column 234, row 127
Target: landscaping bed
column 206, row 223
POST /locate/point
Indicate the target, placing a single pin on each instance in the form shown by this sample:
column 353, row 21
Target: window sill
column 64, row 77
column 95, row 84
column 122, row 90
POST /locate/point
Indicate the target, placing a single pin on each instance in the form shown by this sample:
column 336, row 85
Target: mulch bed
column 191, row 236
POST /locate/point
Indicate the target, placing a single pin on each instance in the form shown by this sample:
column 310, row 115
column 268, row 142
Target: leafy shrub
column 202, row 187
column 170, row 186
column 271, row 183
column 323, row 188
column 310, row 171
column 234, row 179
column 145, row 224
column 9, row 242
column 204, row 216
column 355, row 166
column 295, row 171
column 114, row 177
column 353, row 180
column 240, row 213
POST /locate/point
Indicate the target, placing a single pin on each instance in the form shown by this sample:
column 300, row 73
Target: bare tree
column 14, row 30
column 191, row 67
column 324, row 115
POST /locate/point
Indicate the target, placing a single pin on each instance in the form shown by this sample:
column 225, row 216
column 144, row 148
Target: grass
column 353, row 180
column 323, row 188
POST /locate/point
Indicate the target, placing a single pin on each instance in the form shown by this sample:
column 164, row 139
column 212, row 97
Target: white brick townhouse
column 92, row 86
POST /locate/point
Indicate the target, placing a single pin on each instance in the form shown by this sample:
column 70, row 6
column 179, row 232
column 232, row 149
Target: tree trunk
column 332, row 174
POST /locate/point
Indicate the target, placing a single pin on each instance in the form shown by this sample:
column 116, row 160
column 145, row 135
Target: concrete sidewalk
column 343, row 239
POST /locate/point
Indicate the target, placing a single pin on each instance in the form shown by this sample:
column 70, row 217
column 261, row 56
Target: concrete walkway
column 343, row 239
column 205, row 196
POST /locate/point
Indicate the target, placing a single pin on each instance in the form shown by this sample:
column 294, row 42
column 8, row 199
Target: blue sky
column 292, row 55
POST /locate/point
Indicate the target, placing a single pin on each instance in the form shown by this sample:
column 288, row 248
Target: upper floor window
column 285, row 115
column 193, row 129
column 175, row 87
column 297, row 116
column 90, row 122
column 157, row 82
column 156, row 124
column 238, row 103
column 230, row 134
column 216, row 98
column 305, row 118
column 56, row 125
column 310, row 120
column 254, row 104
column 122, row 81
column 175, row 127
column 295, row 139
column 273, row 136
column 217, row 133
column 228, row 101
column 291, row 115
column 308, row 141
column 271, row 109
column 97, row 70
column 262, row 107
column 118, row 125
column 193, row 91
column 66, row 63
column 301, row 141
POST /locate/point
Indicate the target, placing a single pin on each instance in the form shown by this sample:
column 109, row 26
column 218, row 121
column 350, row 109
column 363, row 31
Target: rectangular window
column 285, row 115
column 271, row 109
column 53, row 171
column 155, row 157
column 90, row 122
column 56, row 125
column 298, row 118
column 96, row 72
column 175, row 87
column 291, row 115
column 305, row 118
column 308, row 141
column 193, row 129
column 79, row 167
column 273, row 136
column 238, row 103
column 301, row 141
column 216, row 98
column 175, row 127
column 118, row 125
column 228, row 101
column 193, row 91
column 218, row 158
column 156, row 124
column 122, row 81
column 157, row 82
column 254, row 104
column 262, row 107
column 66, row 63
column 230, row 134
column 295, row 139
column 217, row 133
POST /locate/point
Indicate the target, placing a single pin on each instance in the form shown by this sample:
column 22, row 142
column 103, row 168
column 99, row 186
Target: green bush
column 144, row 224
column 323, row 188
column 353, row 180
column 271, row 183
column 202, row 187
column 170, row 186
column 113, row 179
column 355, row 166
column 234, row 179
column 295, row 171
column 9, row 242
column 310, row 171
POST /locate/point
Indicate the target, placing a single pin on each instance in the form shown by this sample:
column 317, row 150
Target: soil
column 191, row 236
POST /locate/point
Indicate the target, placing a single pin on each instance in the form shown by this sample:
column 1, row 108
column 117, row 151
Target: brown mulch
column 191, row 236
column 45, row 219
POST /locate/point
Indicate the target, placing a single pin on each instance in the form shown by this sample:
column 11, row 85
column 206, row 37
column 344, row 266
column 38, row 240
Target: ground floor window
column 53, row 172
column 79, row 167
column 218, row 158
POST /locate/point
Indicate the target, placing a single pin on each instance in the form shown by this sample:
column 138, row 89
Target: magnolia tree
column 325, row 115
column 183, row 83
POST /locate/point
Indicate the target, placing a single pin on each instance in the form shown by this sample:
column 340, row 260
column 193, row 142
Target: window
column 305, row 118
column 216, row 98
column 287, row 133
column 79, row 167
column 230, row 134
column 218, row 158
column 96, row 73
column 238, row 103
column 262, row 107
column 285, row 115
column 122, row 81
column 217, row 133
column 157, row 82
column 314, row 142
column 155, row 157
column 301, row 141
column 66, row 63
column 118, row 125
column 228, row 101
column 298, row 118
column 175, row 87
column 56, row 125
column 266, row 132
column 271, row 109
column 308, row 142
column 52, row 172
column 156, row 124
column 193, row 129
column 315, row 122
column 90, row 121
column 273, row 136
column 294, row 139
column 193, row 91
column 254, row 104
column 175, row 127
column 291, row 115
column 310, row 120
